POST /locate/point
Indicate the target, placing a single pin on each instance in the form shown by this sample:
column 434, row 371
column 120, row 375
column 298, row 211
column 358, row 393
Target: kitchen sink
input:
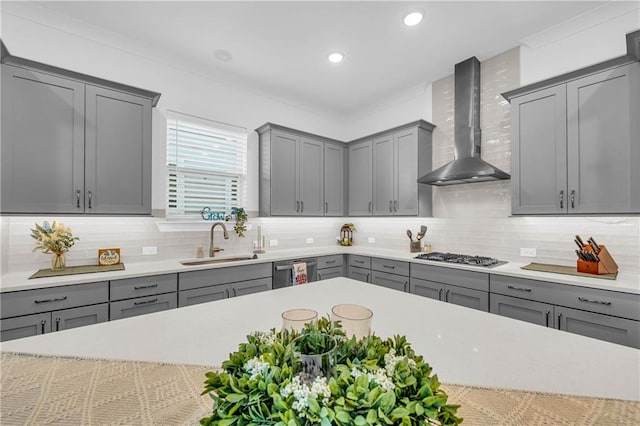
column 213, row 260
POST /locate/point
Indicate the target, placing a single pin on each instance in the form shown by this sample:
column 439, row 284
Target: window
column 207, row 165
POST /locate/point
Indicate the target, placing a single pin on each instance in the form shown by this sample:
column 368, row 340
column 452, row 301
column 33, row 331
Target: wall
column 469, row 218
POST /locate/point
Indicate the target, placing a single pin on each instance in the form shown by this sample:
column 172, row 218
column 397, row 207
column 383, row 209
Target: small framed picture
column 110, row 256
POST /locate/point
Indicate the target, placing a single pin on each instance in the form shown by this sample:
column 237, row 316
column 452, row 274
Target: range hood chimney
column 467, row 166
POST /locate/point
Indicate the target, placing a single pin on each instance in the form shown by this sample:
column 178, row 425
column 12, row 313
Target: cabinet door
column 522, row 309
column 392, row 281
column 333, row 180
column 406, row 173
column 250, row 287
column 79, row 317
column 284, row 175
column 467, row 297
column 327, row 273
column 383, row 179
column 360, row 173
column 25, row 326
column 118, row 153
column 203, row 295
column 603, row 150
column 143, row 305
column 310, row 166
column 42, row 143
column 359, row 274
column 539, row 152
column 611, row 329
column 430, row 289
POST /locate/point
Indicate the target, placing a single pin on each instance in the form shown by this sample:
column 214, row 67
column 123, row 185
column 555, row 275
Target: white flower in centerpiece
column 255, row 367
column 319, row 390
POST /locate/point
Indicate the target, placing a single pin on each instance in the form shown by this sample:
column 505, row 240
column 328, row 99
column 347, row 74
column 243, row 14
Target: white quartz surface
column 463, row 345
column 20, row 281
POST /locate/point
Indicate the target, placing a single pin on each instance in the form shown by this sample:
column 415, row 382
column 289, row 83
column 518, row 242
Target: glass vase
column 311, row 366
column 58, row 262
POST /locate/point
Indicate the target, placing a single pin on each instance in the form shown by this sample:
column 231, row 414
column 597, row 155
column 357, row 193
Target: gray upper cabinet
column 360, row 184
column 397, row 159
column 42, row 142
column 575, row 145
column 334, row 193
column 293, row 173
column 92, row 138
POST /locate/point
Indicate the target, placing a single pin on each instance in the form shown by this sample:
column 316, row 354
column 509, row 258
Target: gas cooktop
column 487, row 262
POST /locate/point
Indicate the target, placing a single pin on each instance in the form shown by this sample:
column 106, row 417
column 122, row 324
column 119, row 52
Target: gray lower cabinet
column 390, row 273
column 294, row 172
column 330, row 267
column 94, row 143
column 38, row 311
column 457, row 286
column 560, row 163
column 327, row 273
column 221, row 283
column 601, row 314
column 359, row 267
column 142, row 295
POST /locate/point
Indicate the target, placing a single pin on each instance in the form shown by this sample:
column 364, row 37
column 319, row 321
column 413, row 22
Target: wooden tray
column 568, row 270
column 73, row 270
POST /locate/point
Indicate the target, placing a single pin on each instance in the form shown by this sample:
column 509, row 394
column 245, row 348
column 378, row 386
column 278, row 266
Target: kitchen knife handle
column 562, row 198
column 77, row 198
column 90, row 198
column 573, row 198
column 598, row 302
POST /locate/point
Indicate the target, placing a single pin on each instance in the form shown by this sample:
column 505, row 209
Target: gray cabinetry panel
column 311, row 177
column 383, row 176
column 425, row 288
column 25, row 326
column 457, row 277
column 406, row 173
column 397, row 267
column 143, row 286
column 359, row 261
column 284, row 174
column 392, row 281
column 42, row 143
column 203, row 295
column 53, row 298
column 602, row 141
column 327, row 273
column 143, row 305
column 250, row 287
column 79, row 317
column 330, row 261
column 118, row 152
column 616, row 330
column 522, row 309
column 359, row 274
column 539, row 158
column 467, row 297
column 360, row 184
column 334, row 180
column 209, row 277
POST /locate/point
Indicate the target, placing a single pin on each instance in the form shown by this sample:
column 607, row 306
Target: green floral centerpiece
column 373, row 381
column 56, row 239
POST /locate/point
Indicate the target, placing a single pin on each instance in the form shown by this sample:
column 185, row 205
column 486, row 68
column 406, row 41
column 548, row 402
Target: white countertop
column 626, row 283
column 463, row 346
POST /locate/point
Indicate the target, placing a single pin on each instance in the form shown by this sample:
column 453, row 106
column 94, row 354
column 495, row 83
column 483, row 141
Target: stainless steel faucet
column 212, row 248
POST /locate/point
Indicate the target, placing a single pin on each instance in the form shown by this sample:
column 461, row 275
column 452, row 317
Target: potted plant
column 240, row 216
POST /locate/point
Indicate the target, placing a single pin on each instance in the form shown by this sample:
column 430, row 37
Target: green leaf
column 314, row 407
column 372, row 417
column 235, row 397
column 360, row 421
column 343, row 417
column 399, row 413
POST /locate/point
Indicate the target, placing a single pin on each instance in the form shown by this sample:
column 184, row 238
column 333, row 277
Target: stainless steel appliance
column 483, row 261
column 283, row 271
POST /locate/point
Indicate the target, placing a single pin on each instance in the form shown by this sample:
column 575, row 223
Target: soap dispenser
column 200, row 251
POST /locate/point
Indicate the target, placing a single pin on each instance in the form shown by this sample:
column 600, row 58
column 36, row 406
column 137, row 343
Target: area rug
column 42, row 390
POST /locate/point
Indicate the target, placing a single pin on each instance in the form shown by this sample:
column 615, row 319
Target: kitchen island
column 463, row 346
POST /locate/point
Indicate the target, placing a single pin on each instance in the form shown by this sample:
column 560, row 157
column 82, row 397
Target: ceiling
column 281, row 48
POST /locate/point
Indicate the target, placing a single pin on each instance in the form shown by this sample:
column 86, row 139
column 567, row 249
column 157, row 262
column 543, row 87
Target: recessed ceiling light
column 413, row 18
column 222, row 55
column 336, row 56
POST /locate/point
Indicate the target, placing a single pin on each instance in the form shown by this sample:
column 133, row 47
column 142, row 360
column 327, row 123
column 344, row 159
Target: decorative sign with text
column 109, row 256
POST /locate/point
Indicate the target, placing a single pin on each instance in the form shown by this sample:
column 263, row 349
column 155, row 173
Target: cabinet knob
column 77, row 198
column 573, row 198
column 370, row 202
column 42, row 324
column 390, row 206
column 90, row 198
column 562, row 198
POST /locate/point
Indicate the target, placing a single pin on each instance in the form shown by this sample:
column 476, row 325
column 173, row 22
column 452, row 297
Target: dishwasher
column 283, row 271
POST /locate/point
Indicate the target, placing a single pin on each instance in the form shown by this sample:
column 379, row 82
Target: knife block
column 606, row 265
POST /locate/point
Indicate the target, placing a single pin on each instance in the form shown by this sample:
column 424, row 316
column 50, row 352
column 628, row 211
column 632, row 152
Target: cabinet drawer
column 143, row 286
column 330, row 261
column 209, row 277
column 457, row 277
column 359, row 261
column 393, row 281
column 28, row 302
column 143, row 305
column 614, row 303
column 327, row 273
column 390, row 266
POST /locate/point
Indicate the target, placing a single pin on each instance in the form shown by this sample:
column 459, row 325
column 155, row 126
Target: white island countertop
column 17, row 281
column 463, row 346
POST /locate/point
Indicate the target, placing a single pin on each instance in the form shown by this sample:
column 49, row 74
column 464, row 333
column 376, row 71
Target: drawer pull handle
column 546, row 314
column 446, row 296
column 370, row 202
column 331, row 261
column 519, row 288
column 57, row 299
column 57, row 324
column 440, row 294
column 146, row 302
column 358, row 261
column 42, row 324
column 559, row 321
column 562, row 199
column 573, row 198
column 90, row 198
column 77, row 198
column 142, row 287
column 389, row 266
column 599, row 302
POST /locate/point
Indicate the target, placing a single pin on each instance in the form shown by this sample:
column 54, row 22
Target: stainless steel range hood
column 467, row 166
